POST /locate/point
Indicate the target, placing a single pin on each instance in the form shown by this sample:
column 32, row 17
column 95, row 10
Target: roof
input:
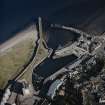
column 54, row 86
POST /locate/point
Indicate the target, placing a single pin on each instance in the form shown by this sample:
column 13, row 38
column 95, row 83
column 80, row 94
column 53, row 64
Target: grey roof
column 54, row 86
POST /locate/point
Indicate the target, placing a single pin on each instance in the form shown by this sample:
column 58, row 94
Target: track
column 32, row 63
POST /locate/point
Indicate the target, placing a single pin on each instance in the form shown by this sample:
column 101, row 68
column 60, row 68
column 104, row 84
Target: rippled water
column 15, row 14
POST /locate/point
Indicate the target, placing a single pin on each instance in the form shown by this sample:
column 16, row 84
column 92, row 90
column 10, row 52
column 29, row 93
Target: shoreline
column 19, row 37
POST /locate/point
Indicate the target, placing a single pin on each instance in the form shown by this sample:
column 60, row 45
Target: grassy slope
column 12, row 61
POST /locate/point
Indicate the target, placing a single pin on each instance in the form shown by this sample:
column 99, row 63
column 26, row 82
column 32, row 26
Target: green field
column 14, row 58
